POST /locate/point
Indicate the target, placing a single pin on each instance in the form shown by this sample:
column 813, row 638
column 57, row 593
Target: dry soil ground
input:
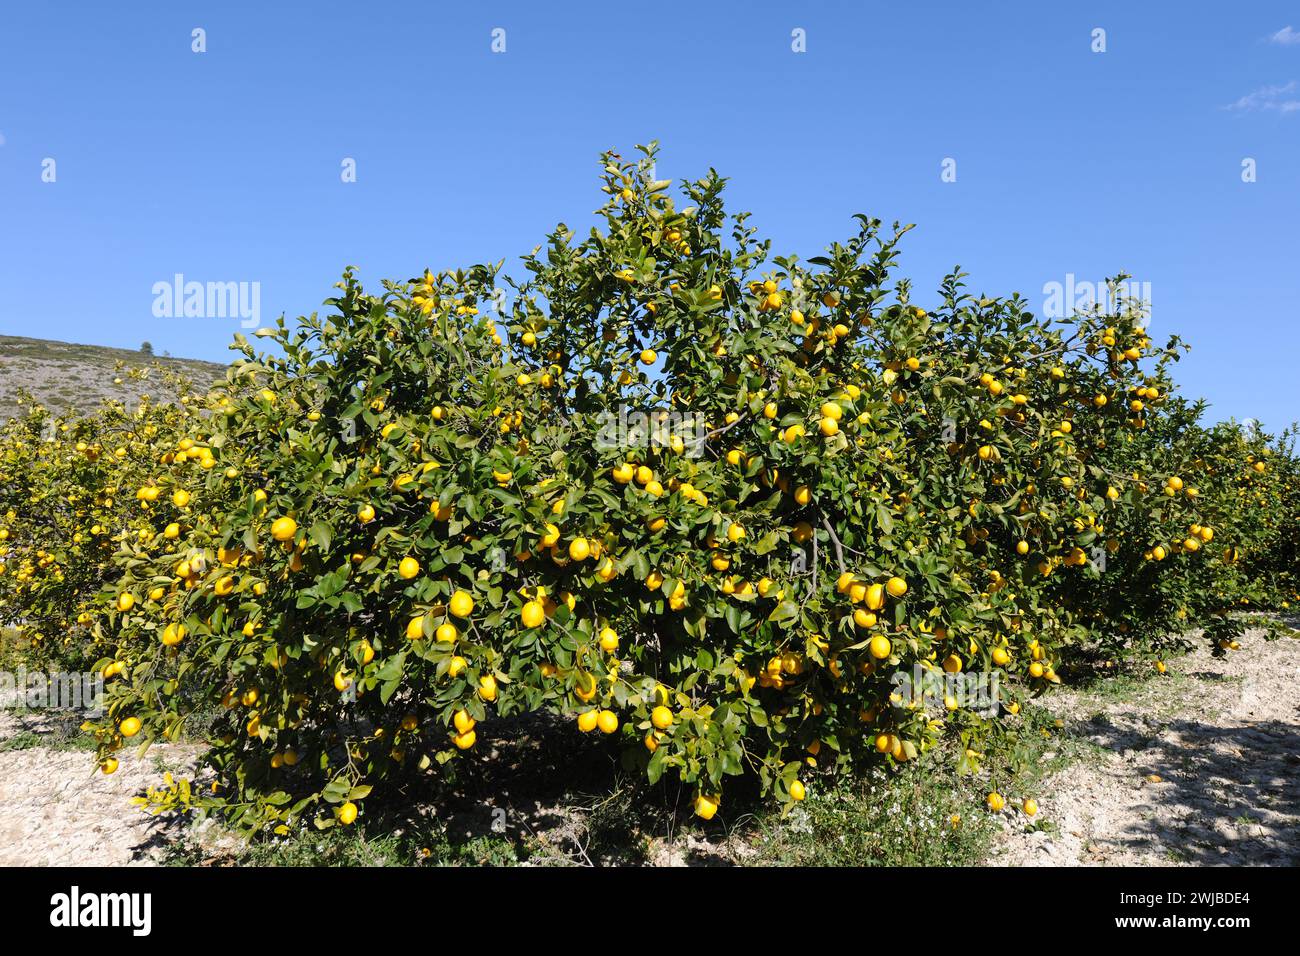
column 1201, row 767
column 56, row 809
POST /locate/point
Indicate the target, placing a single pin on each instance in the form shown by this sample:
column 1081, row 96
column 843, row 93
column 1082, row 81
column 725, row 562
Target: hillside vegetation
column 67, row 377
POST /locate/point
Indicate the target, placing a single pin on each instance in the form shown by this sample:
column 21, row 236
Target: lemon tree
column 691, row 497
column 73, row 493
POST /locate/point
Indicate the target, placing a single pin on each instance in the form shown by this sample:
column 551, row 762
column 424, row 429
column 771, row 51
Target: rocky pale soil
column 1201, row 767
column 57, row 809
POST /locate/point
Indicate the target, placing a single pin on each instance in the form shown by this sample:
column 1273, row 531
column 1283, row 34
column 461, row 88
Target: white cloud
column 1269, row 98
column 1286, row 36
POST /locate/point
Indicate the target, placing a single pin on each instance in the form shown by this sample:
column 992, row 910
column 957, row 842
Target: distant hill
column 66, row 377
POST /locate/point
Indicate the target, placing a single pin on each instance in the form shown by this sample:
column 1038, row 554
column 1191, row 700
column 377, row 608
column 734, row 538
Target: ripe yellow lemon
column 464, row 741
column 446, row 633
column 532, row 614
column 880, row 647
column 661, row 717
column 347, row 813
column 896, row 587
column 579, row 549
column 366, row 514
column 996, row 801
column 875, row 597
column 608, row 640
column 607, row 721
column 283, row 529
column 797, row 791
column 586, row 688
column 408, row 568
column 1030, row 806
column 487, row 687
column 461, row 604
column 864, row 619
column 129, row 727
column 706, row 807
column 587, row 721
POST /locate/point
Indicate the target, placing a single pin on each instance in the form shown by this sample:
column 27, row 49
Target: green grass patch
column 57, row 738
column 358, row 845
column 914, row 817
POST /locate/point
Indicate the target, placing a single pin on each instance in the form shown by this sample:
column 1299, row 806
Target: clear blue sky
column 225, row 166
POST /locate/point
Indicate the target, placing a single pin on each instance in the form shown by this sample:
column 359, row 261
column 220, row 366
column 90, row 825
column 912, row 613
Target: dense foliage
column 704, row 500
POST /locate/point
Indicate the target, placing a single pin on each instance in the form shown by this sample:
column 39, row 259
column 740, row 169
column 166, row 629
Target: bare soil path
column 1199, row 767
column 57, row 809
